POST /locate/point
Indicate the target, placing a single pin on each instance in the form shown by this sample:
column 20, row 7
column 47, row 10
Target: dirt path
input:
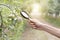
column 32, row 34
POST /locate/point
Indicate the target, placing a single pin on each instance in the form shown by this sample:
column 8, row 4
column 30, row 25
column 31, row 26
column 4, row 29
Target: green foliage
column 52, row 12
column 11, row 21
column 12, row 25
column 54, row 6
column 54, row 21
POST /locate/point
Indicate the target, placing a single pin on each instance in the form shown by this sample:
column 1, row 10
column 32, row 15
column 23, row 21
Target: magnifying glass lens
column 25, row 15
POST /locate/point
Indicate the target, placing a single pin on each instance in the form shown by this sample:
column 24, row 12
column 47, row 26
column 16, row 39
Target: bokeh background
column 14, row 27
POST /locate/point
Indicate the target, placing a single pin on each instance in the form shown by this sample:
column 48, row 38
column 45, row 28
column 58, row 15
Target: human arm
column 48, row 28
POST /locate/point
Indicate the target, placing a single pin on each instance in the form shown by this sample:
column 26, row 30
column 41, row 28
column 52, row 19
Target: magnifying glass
column 25, row 15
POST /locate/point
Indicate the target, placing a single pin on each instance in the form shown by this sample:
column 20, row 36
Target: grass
column 54, row 21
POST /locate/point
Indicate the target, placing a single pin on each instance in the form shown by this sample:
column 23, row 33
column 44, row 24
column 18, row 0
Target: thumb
column 33, row 20
column 36, row 21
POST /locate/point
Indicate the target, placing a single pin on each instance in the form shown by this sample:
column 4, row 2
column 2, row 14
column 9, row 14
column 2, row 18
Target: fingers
column 33, row 25
column 32, row 20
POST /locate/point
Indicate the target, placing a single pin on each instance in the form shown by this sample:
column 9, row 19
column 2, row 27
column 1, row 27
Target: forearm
column 48, row 28
column 51, row 30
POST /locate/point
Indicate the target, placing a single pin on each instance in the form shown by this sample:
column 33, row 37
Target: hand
column 40, row 26
column 36, row 24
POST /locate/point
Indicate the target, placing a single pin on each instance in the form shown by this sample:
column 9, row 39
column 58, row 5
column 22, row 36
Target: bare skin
column 41, row 26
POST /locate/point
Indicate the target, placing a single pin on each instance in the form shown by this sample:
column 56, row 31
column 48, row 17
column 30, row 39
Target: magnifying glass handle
column 29, row 18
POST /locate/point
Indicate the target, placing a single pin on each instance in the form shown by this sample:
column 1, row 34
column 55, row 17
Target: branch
column 1, row 19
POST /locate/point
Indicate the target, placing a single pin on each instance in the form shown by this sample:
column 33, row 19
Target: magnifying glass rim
column 23, row 15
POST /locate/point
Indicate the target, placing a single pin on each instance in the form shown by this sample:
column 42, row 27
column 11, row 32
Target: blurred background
column 14, row 27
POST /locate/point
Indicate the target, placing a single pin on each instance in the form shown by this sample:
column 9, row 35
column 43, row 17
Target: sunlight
column 35, row 7
column 35, row 10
